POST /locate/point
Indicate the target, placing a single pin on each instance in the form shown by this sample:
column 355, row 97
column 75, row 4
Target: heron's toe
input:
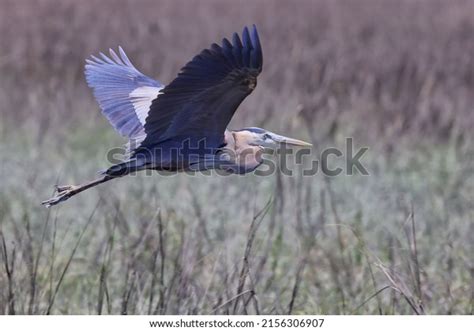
column 62, row 194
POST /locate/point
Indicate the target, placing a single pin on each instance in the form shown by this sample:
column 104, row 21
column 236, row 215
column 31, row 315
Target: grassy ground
column 398, row 241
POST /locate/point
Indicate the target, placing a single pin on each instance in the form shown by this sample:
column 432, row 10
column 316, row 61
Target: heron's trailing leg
column 65, row 192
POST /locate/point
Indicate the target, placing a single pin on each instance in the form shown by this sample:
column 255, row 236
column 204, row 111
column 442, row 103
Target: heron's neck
column 229, row 140
column 241, row 152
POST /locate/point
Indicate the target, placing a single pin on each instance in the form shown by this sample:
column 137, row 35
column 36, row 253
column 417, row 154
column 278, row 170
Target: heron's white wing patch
column 141, row 98
column 123, row 92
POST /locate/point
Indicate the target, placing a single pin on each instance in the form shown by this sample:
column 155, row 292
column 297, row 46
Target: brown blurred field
column 396, row 76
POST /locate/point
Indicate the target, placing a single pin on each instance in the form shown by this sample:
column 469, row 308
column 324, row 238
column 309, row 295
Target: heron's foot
column 62, row 194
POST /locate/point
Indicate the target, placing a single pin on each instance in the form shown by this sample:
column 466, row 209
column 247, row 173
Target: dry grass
column 396, row 76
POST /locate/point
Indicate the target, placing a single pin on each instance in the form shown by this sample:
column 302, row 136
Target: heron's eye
column 266, row 136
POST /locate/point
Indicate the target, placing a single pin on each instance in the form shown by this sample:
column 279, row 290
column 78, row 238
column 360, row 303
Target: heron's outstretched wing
column 202, row 99
column 123, row 92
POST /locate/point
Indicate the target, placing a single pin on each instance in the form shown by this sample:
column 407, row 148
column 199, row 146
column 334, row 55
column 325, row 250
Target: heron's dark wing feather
column 202, row 99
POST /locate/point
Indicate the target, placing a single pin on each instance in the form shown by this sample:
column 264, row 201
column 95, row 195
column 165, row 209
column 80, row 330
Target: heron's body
column 181, row 126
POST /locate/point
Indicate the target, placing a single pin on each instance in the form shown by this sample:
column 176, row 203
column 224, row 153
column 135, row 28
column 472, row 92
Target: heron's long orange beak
column 289, row 141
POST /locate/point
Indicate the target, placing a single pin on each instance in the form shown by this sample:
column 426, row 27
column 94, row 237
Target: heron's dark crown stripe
column 253, row 129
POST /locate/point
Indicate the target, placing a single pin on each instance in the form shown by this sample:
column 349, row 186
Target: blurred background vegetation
column 396, row 76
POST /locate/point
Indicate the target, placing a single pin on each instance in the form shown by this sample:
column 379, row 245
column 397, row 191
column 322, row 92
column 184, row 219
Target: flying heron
column 181, row 126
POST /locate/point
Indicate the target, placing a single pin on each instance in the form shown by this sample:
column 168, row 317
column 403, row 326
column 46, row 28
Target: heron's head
column 267, row 139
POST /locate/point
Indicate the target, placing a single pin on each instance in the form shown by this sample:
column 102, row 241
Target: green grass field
column 399, row 241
